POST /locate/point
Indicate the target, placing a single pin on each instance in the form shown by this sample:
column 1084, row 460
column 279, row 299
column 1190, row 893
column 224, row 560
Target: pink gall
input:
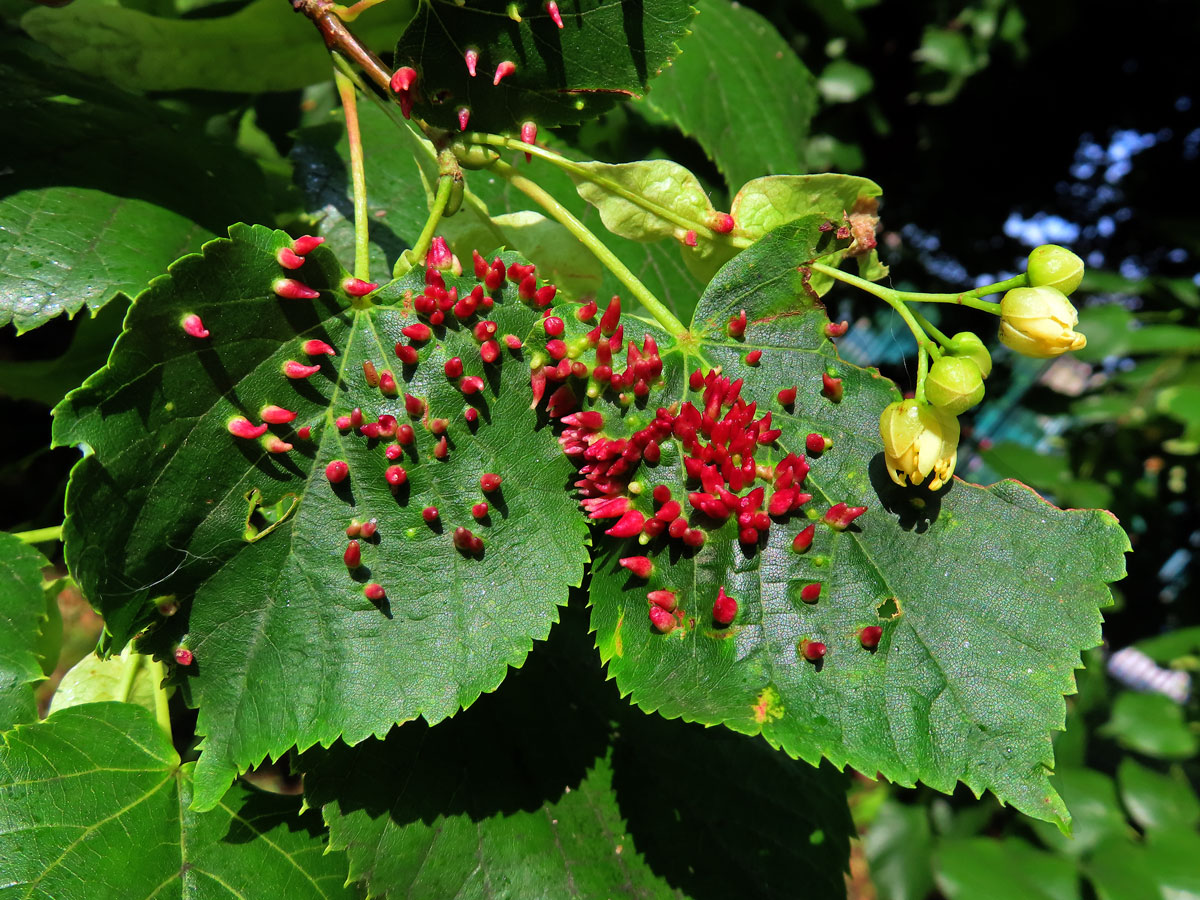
column 724, row 609
column 641, row 566
column 337, row 471
column 240, row 426
column 276, row 415
column 291, row 289
column 356, row 287
column 306, row 244
column 504, row 70
column 193, row 327
column 317, row 348
column 870, row 636
column 288, row 258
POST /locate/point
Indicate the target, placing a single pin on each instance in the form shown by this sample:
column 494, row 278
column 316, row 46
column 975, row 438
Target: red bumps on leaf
column 721, row 223
column 589, row 419
column 298, row 370
column 472, row 384
column 816, row 444
column 587, row 312
column 662, row 620
column 464, row 117
column 439, row 256
column 628, row 525
column 661, row 493
column 724, row 608
column 479, row 510
column 552, row 9
column 276, row 415
column 417, row 331
column 466, row 541
column 438, row 426
column 356, row 287
column 753, row 357
column 812, row 650
column 529, row 136
column 387, row 383
column 342, row 423
column 337, row 471
column 454, row 367
column 503, row 70
column 495, row 277
column 544, row 295
column 184, row 656
column 831, row 387
column 787, row 396
column 306, row 244
column 395, row 475
column 556, row 348
column 437, row 317
column 696, row 380
column 374, row 592
column 489, row 482
column 471, row 57
column 693, row 537
column 678, row 528
column 554, row 326
column 832, row 330
column 663, row 599
column 370, row 375
column 393, row 451
column 291, row 289
column 512, row 342
column 737, row 325
column 430, row 514
column 840, row 515
column 240, row 426
column 354, row 529
column 356, row 417
column 869, row 637
column 403, row 79
column 353, row 555
column 810, row 593
column 407, row 354
column 641, row 566
column 414, row 406
column 304, row 433
column 471, row 414
column 612, row 315
column 275, row 444
column 405, row 434
column 193, row 326
column 317, row 348
column 442, row 448
column 369, row 527
column 748, row 535
column 387, row 426
column 479, row 264
column 289, row 259
column 489, row 351
column 484, row 331
column 689, row 238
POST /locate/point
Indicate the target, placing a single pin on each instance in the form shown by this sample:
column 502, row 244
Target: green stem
column 40, row 535
column 162, row 710
column 131, row 664
column 561, row 214
column 358, row 175
column 930, row 328
column 970, row 298
column 417, row 254
column 702, row 230
column 922, row 373
column 888, row 296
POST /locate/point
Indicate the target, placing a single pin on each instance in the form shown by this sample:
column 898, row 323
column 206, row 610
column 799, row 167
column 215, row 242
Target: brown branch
column 340, row 39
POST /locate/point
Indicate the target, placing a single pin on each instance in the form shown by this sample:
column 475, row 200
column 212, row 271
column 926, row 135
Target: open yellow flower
column 1039, row 322
column 919, row 442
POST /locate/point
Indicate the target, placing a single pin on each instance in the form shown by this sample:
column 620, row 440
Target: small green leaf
column 1150, row 724
column 667, row 184
column 96, row 806
column 578, row 795
column 264, row 46
column 844, row 82
column 766, row 203
column 606, row 51
column 128, row 207
column 92, row 680
column 1157, row 801
column 986, row 869
column 962, row 609
column 741, row 91
column 22, row 618
column 279, row 626
column 899, row 851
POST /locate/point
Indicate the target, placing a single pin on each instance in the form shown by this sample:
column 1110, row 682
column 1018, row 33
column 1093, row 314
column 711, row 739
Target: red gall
column 869, row 637
column 503, row 70
column 353, row 555
column 293, row 369
column 356, row 287
column 374, row 592
column 724, row 608
column 291, row 289
column 317, row 348
column 663, row 599
column 193, row 327
column 288, row 258
column 641, row 566
column 184, row 656
column 306, row 244
column 337, row 471
column 240, row 426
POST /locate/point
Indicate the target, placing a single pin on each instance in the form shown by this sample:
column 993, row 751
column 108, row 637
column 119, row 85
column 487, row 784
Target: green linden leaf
column 1010, row 869
column 741, row 91
column 96, row 805
column 263, row 46
column 22, row 617
column 606, row 51
column 249, row 534
column 96, row 678
column 88, row 213
column 985, row 596
column 578, row 795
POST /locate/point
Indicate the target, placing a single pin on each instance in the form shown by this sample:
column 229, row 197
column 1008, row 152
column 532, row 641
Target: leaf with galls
column 298, row 636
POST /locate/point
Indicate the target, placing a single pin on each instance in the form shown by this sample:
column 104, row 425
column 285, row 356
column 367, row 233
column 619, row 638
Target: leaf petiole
column 346, row 89
column 702, row 231
column 40, row 535
column 561, row 214
column 891, row 298
column 415, row 255
column 162, row 709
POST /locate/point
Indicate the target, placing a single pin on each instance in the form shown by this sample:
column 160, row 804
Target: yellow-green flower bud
column 954, row 384
column 1039, row 322
column 919, row 442
column 968, row 345
column 1053, row 266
